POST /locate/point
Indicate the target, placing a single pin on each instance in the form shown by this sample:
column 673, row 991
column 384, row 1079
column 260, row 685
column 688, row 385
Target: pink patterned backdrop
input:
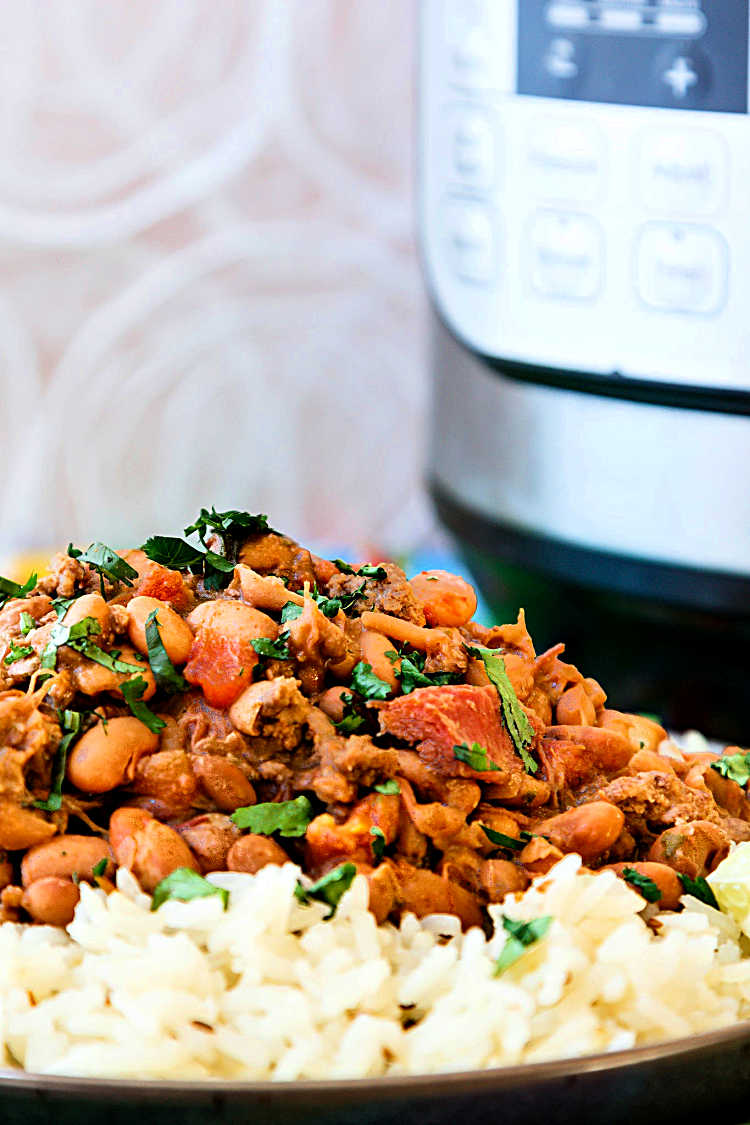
column 208, row 282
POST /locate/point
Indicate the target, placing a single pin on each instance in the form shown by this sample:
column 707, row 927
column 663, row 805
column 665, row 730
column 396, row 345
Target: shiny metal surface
column 686, row 1080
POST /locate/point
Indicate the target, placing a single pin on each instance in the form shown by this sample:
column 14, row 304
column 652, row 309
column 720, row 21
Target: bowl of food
column 291, row 837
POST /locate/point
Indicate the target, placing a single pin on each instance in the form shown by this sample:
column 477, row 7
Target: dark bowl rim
column 427, row 1085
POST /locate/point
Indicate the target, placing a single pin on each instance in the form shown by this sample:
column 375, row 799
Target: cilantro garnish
column 99, row 868
column 106, row 562
column 699, row 889
column 288, row 818
column 17, row 652
column 290, row 612
column 27, row 623
column 11, row 589
column 165, row 673
column 642, row 883
column 474, row 756
column 515, row 718
column 520, row 936
column 412, row 674
column 172, row 552
column 353, row 720
column 367, row 684
column 272, row 650
column 132, row 690
column 509, row 842
column 377, row 842
column 185, row 884
column 366, row 571
column 329, row 607
column 389, row 788
column 734, row 766
column 229, row 526
column 70, row 724
column 329, row 889
column 61, row 606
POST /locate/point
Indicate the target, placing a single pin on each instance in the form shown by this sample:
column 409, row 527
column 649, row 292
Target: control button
column 683, row 75
column 560, row 60
column 471, row 153
column 682, row 170
column 566, row 255
column 565, row 160
column 471, row 240
column 470, row 47
column 681, row 268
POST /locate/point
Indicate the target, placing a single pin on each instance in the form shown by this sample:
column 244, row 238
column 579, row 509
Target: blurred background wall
column 208, row 283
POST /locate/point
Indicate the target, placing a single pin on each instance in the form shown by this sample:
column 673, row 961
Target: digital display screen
column 671, row 54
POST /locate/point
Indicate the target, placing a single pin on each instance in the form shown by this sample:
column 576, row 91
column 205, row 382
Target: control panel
column 584, row 174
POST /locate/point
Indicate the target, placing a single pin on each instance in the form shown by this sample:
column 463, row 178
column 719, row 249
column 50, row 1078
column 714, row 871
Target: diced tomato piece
column 219, row 665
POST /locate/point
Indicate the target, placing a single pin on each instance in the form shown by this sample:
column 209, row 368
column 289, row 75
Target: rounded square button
column 566, row 255
column 565, row 160
column 471, row 240
column 681, row 268
column 682, row 170
column 471, row 155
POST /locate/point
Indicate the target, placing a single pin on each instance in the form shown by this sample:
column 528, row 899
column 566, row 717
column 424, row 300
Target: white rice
column 269, row 990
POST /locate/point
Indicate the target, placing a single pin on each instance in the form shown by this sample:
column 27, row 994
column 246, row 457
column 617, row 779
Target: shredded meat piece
column 575, row 755
column 271, row 553
column 652, row 800
column 337, row 764
column 447, row 653
column 28, row 741
column 67, row 577
column 314, row 642
column 206, row 729
column 392, row 594
column 271, row 713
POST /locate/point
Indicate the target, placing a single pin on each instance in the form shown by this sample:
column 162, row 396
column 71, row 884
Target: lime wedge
column 730, row 882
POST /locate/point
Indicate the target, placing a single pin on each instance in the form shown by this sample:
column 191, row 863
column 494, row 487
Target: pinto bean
column 666, row 879
column 92, row 678
column 176, row 635
column 223, row 782
column 332, row 704
column 168, row 776
column 500, row 877
column 589, row 829
column 574, row 708
column 447, row 599
column 51, row 900
column 91, row 605
column 22, row 828
column 693, row 849
column 423, row 892
column 209, row 838
column 150, row 849
column 374, row 646
column 65, row 856
column 252, row 852
column 107, row 754
column 642, row 733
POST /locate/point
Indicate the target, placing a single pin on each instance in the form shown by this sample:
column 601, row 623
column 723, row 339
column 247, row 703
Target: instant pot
column 585, row 226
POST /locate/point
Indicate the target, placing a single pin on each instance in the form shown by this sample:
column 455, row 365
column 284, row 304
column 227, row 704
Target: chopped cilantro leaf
column 11, row 589
column 377, row 842
column 344, row 567
column 288, row 818
column 185, row 884
column 474, row 756
column 509, row 842
column 366, row 571
column 174, row 553
column 641, row 883
column 27, row 623
column 330, row 888
column 99, row 868
column 412, row 674
column 353, row 720
column 515, row 718
column 165, row 673
column 736, row 767
column 17, row 652
column 520, row 936
column 132, row 690
column 70, row 725
column 699, row 889
column 290, row 612
column 389, row 788
column 61, row 606
column 227, row 525
column 272, row 650
column 106, row 562
column 367, row 684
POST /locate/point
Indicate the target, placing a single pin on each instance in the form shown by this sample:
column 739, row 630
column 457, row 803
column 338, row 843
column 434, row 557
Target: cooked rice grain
column 268, row 989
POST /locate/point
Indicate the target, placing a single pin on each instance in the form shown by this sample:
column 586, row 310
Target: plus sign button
column 683, row 77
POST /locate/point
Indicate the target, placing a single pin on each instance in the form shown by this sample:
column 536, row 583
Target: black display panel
column 671, row 54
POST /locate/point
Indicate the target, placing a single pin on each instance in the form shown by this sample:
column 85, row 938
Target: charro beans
column 107, row 754
column 331, row 703
column 92, row 678
column 210, row 838
column 150, row 849
column 90, row 605
column 666, row 879
column 222, row 781
column 251, row 852
column 65, row 856
column 589, row 829
column 51, row 900
column 176, row 635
